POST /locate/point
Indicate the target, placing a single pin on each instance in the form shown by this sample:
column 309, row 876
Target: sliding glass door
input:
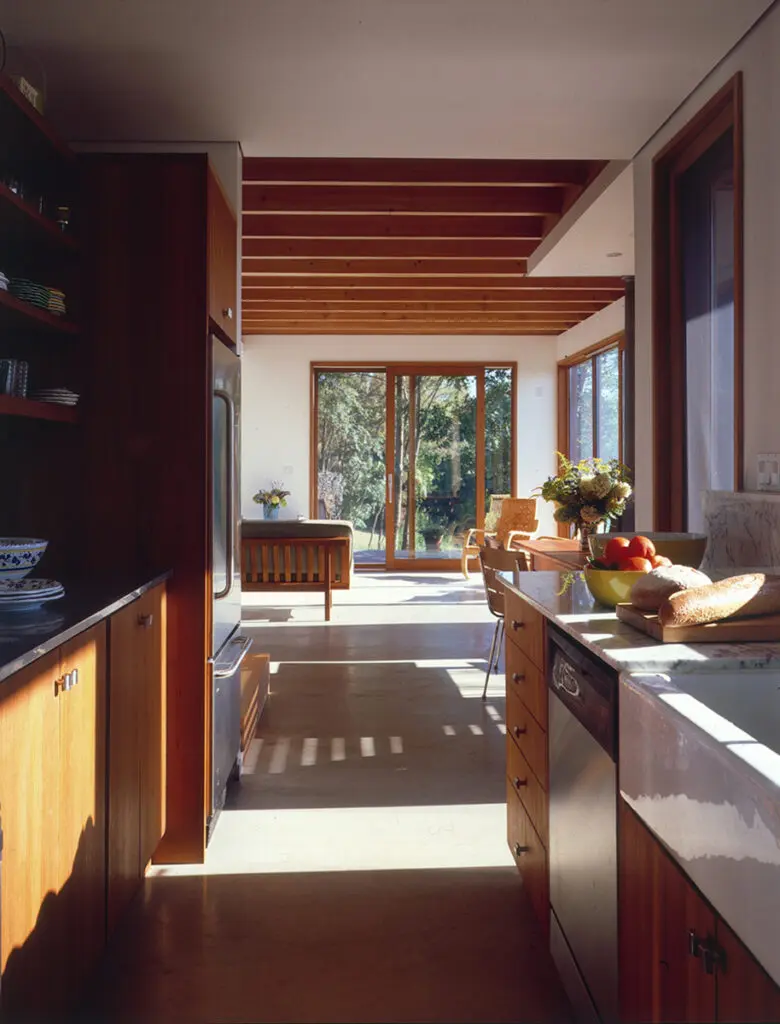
column 411, row 454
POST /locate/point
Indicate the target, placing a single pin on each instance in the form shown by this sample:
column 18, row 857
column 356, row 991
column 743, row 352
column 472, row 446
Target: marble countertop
column 27, row 635
column 564, row 598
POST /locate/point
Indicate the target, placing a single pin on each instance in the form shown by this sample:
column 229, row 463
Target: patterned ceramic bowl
column 19, row 555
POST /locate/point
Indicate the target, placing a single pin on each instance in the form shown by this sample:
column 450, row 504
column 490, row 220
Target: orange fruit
column 641, row 547
column 661, row 561
column 635, row 564
column 615, row 549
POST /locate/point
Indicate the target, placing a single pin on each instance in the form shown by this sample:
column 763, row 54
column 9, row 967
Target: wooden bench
column 296, row 563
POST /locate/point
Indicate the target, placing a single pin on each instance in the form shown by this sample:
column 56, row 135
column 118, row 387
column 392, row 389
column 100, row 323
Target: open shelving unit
column 12, row 406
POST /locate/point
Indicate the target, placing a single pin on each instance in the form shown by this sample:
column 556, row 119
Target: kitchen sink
column 699, row 762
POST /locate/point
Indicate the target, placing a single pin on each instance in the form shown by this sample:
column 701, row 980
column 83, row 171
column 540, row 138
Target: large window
column 697, row 312
column 592, row 394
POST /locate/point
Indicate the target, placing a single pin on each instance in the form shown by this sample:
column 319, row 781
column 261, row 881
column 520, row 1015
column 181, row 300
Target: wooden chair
column 493, row 561
column 517, row 520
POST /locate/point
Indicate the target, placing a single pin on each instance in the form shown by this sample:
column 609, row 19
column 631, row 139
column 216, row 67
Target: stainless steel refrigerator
column 229, row 647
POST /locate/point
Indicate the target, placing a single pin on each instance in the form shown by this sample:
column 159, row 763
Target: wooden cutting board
column 765, row 627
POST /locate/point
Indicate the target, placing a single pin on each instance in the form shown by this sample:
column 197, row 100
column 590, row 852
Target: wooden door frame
column 721, row 114
column 413, row 367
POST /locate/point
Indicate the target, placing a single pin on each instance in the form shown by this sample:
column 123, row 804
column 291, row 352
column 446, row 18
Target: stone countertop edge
column 93, row 602
column 621, row 646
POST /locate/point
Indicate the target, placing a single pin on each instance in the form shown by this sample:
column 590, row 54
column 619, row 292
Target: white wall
column 758, row 58
column 596, row 328
column 276, row 407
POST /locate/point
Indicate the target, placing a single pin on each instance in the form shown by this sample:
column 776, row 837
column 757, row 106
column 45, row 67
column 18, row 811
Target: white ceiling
column 404, row 78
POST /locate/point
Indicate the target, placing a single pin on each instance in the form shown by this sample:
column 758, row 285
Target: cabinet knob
column 145, row 621
column 519, row 731
column 517, row 677
column 517, row 624
column 518, row 783
column 519, row 850
column 227, row 312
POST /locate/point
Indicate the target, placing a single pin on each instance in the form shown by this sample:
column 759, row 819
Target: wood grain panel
column 151, row 623
column 372, row 170
column 527, row 735
column 384, row 267
column 525, row 628
column 530, row 856
column 528, row 788
column 373, row 293
column 526, row 682
column 222, row 259
column 454, row 305
column 81, row 848
column 29, row 814
column 745, row 992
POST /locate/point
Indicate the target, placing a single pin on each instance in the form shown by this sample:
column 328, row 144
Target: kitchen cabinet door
column 151, row 624
column 745, row 990
column 660, row 915
column 29, row 815
column 82, row 825
column 222, row 259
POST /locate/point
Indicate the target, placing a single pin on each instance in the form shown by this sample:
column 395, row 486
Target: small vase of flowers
column 272, row 500
column 588, row 493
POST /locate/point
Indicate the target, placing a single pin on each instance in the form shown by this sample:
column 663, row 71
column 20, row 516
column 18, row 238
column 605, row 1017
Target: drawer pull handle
column 516, row 624
column 519, row 850
column 518, row 731
column 517, row 783
column 145, row 621
column 517, row 677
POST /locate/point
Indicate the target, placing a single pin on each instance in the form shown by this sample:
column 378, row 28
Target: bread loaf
column 650, row 591
column 735, row 597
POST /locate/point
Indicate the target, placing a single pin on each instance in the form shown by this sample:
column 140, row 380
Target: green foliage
column 588, row 492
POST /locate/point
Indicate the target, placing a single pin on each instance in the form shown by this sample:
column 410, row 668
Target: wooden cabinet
column 52, row 800
column 222, row 259
column 136, row 769
column 678, row 960
column 527, row 755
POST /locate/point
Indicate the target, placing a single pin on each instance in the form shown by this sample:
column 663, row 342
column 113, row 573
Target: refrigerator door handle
column 230, row 540
column 230, row 657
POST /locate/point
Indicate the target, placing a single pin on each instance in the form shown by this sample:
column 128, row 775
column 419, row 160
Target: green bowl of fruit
column 681, row 548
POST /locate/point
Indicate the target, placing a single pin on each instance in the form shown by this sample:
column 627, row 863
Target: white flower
column 588, row 487
column 621, row 491
column 589, row 514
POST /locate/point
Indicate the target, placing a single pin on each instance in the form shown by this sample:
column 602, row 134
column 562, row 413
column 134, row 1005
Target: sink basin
column 700, row 764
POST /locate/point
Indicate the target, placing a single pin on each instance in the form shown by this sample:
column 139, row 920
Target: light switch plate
column 768, row 471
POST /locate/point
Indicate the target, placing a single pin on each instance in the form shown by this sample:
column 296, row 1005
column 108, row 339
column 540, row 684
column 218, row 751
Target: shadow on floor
column 370, row 946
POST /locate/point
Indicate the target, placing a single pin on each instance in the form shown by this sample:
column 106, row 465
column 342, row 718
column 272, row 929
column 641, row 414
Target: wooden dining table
column 557, row 553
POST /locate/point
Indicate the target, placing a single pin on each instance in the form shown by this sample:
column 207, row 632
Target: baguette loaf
column 650, row 591
column 735, row 597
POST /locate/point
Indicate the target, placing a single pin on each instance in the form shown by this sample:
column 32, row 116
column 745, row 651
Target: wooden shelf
column 10, row 406
column 14, row 108
column 23, row 316
column 20, row 221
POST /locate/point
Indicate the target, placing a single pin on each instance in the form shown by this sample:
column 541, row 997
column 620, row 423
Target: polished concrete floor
column 359, row 871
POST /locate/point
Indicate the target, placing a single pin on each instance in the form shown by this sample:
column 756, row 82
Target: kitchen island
column 590, row 861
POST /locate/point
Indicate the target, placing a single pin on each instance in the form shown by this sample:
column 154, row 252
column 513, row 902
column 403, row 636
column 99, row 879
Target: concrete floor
column 359, row 871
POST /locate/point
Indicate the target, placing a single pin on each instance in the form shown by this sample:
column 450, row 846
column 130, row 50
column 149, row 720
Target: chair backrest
column 517, row 514
column 493, row 561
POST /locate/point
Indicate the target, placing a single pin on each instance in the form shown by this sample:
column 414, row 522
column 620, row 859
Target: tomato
column 615, row 549
column 635, row 564
column 641, row 547
column 661, row 561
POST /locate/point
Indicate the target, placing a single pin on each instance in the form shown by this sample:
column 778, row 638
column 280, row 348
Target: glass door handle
column 230, row 535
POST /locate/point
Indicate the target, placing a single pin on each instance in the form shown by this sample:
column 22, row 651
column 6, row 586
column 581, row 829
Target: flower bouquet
column 588, row 493
column 272, row 500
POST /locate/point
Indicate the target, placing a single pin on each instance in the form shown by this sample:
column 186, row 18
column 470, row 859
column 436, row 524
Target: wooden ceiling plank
column 402, row 225
column 375, row 170
column 395, row 199
column 370, row 329
column 254, row 306
column 458, row 283
column 405, row 294
column 438, row 316
column 393, row 268
column 387, row 248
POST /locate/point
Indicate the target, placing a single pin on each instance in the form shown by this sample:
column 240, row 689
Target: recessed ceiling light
column 613, row 255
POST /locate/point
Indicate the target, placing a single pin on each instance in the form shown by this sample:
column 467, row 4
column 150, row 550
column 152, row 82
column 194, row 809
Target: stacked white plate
column 20, row 595
column 60, row 396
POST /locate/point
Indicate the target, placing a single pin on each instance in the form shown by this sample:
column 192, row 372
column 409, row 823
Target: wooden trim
column 593, row 350
column 314, row 437
column 515, row 430
column 411, row 478
column 721, row 114
column 389, row 465
column 314, row 249
column 563, row 426
column 481, row 441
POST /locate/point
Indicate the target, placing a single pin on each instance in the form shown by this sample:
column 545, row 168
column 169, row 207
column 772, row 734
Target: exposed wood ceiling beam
column 454, row 306
column 438, row 317
column 384, row 268
column 394, row 199
column 373, row 328
column 402, row 225
column 387, row 248
column 415, row 172
column 405, row 294
column 574, row 284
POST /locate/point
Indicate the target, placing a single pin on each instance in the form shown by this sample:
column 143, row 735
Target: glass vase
column 584, row 530
column 271, row 511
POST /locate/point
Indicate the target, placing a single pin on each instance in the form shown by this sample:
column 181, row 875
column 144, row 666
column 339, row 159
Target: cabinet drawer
column 530, row 856
column 528, row 788
column 525, row 628
column 524, row 680
column 528, row 736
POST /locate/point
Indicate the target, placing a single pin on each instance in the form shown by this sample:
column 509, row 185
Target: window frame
column 723, row 113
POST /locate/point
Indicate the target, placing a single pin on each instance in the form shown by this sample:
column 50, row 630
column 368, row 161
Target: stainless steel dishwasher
column 582, row 694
